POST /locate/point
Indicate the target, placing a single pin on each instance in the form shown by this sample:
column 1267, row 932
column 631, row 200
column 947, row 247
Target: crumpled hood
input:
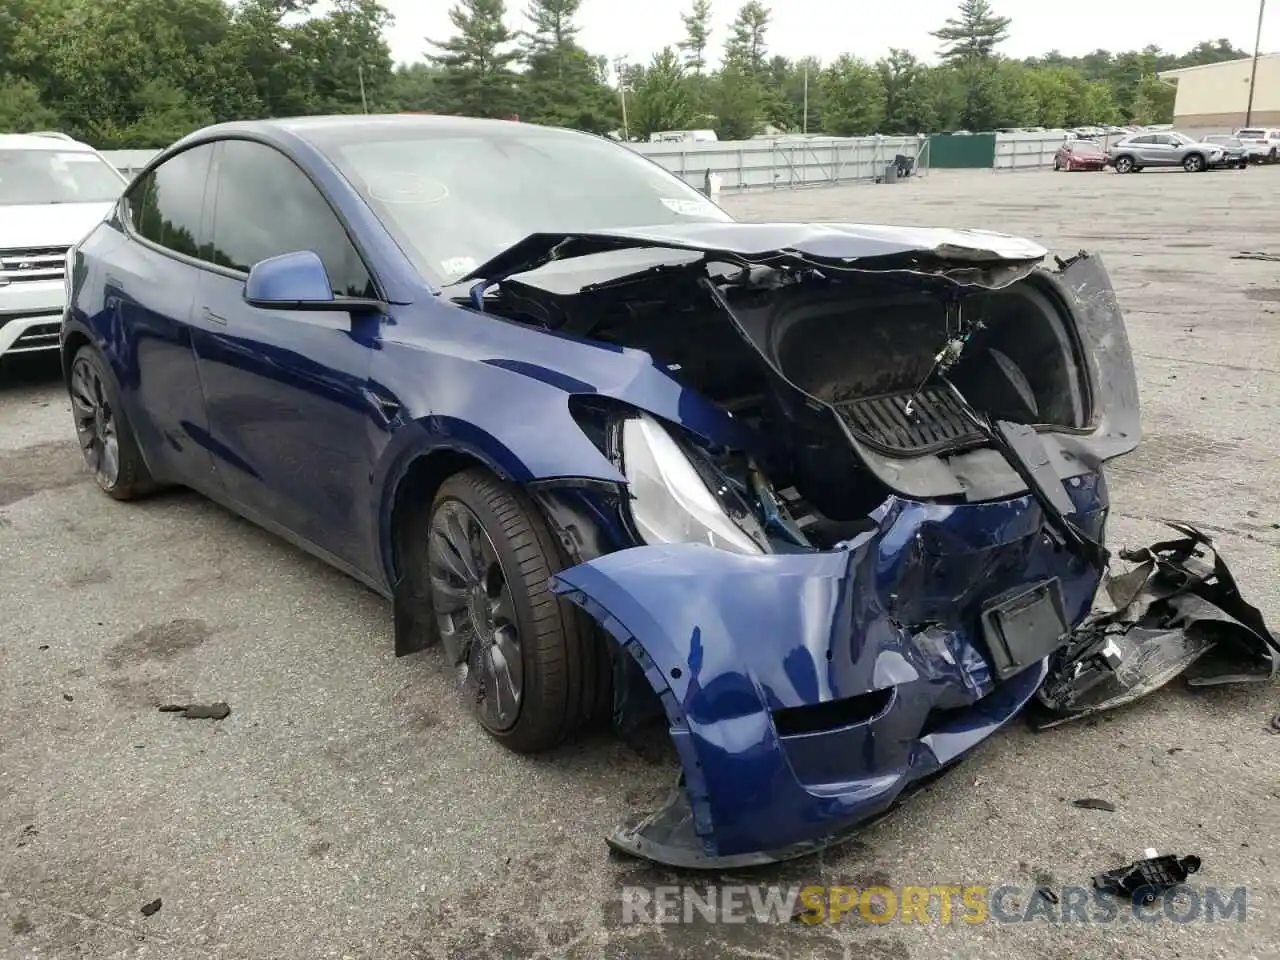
column 32, row 226
column 816, row 244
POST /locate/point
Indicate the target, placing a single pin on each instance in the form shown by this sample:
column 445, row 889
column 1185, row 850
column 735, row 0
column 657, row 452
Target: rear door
column 293, row 422
column 145, row 327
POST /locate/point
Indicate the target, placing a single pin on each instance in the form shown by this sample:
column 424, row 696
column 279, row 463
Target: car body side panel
column 727, row 640
column 135, row 309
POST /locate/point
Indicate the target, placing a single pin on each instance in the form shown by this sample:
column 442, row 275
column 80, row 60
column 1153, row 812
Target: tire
column 1057, row 165
column 1194, row 163
column 1124, row 165
column 106, row 438
column 1271, row 157
column 499, row 594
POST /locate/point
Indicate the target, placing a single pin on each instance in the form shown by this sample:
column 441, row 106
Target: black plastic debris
column 1093, row 803
column 1144, row 880
column 1275, row 723
column 1047, row 895
column 1178, row 612
column 148, row 909
column 198, row 711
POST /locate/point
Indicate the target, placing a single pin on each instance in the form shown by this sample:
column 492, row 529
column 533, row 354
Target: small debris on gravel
column 1093, row 803
column 68, row 697
column 29, row 833
column 1172, row 750
column 198, row 711
column 1044, row 893
column 1275, row 723
column 150, row 908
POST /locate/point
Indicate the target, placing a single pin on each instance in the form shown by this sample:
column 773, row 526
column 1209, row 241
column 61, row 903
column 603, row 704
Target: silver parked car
column 1166, row 149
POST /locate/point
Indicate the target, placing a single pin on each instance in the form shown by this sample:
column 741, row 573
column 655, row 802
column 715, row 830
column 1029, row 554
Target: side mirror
column 291, row 281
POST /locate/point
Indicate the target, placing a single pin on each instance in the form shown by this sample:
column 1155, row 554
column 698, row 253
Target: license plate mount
column 1024, row 625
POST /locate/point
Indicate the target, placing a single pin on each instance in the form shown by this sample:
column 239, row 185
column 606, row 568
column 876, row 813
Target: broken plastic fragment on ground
column 1144, row 880
column 1178, row 612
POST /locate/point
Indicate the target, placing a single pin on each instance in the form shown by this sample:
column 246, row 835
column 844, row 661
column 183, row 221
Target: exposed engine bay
column 927, row 381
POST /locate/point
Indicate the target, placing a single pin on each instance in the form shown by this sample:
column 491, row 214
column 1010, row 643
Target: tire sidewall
column 125, row 442
column 536, row 694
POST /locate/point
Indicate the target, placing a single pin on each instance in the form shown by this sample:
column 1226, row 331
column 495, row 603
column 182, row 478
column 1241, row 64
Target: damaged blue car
column 821, row 500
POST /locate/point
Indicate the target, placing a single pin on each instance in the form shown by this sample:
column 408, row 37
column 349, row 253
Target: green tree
column 973, row 35
column 854, row 98
column 904, row 109
column 563, row 85
column 735, row 100
column 746, row 46
column 477, row 79
column 661, row 100
column 697, row 35
column 21, row 110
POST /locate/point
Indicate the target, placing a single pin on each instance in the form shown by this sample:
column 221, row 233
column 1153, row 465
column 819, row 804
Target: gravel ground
column 348, row 807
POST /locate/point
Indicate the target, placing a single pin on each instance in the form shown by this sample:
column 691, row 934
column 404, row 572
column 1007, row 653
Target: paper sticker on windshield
column 457, row 266
column 687, row 208
column 407, row 188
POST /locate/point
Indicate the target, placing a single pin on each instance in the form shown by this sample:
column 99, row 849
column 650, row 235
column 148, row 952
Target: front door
column 295, row 429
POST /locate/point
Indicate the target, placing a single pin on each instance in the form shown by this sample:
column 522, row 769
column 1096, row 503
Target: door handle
column 214, row 317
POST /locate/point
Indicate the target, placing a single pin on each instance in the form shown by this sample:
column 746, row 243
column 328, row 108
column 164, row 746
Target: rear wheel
column 529, row 665
column 1271, row 157
column 107, row 441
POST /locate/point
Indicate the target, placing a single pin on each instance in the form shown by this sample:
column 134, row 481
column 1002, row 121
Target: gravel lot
column 348, row 807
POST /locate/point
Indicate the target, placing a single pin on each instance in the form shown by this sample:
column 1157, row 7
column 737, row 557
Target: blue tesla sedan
column 818, row 500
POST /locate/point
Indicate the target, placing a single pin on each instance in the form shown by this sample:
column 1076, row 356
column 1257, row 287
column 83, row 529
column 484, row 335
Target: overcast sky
column 827, row 28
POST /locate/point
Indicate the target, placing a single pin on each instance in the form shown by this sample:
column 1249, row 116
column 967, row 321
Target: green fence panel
column 973, row 152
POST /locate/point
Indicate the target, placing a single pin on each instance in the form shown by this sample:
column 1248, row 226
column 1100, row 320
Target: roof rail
column 56, row 134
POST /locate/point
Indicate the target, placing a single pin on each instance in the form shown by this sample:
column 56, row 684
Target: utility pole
column 805, row 121
column 620, row 64
column 1253, row 74
column 363, row 99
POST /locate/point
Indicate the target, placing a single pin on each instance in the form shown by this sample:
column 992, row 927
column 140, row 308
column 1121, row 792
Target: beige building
column 1215, row 97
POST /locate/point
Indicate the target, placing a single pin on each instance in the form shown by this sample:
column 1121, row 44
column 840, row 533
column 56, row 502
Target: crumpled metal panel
column 727, row 640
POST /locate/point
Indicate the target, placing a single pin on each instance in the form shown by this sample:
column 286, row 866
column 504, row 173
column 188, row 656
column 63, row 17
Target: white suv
column 53, row 191
column 1262, row 144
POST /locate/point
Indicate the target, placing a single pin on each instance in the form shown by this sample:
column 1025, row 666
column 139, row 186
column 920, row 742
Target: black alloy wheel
column 96, row 424
column 476, row 614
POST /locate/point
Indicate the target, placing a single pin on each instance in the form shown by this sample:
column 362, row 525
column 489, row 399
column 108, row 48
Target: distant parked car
column 53, row 191
column 1169, row 149
column 1079, row 155
column 1262, row 143
column 1237, row 152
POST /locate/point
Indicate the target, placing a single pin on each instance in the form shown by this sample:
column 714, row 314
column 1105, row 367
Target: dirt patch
column 1253, row 293
column 159, row 642
column 46, row 466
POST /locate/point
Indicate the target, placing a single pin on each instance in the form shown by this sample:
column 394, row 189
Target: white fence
column 783, row 163
column 740, row 164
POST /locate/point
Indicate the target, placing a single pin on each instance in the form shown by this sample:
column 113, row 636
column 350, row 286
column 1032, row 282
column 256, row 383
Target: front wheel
column 107, row 442
column 1193, row 163
column 530, row 667
column 1124, row 164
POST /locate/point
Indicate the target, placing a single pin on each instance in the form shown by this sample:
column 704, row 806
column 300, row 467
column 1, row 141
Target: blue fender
column 733, row 644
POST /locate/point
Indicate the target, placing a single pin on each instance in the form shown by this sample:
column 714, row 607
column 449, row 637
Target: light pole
column 1253, row 73
column 620, row 64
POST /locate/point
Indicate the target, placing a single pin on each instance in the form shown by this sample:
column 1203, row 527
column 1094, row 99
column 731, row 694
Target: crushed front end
column 867, row 574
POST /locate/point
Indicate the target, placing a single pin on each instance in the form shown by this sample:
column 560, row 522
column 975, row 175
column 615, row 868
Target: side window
column 266, row 206
column 165, row 205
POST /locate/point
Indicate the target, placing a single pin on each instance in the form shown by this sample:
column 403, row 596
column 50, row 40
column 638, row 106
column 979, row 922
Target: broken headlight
column 671, row 498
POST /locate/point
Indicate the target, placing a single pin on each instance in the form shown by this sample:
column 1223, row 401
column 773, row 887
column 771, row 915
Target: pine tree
column 746, row 44
column 697, row 29
column 974, row 35
column 477, row 80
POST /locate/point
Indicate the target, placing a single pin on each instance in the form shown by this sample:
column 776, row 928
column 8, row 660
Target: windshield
column 56, row 176
column 1254, row 134
column 455, row 200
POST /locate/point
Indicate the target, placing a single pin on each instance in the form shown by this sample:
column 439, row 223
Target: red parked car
column 1080, row 155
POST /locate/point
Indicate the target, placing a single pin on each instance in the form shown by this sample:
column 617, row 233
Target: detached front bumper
column 806, row 692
